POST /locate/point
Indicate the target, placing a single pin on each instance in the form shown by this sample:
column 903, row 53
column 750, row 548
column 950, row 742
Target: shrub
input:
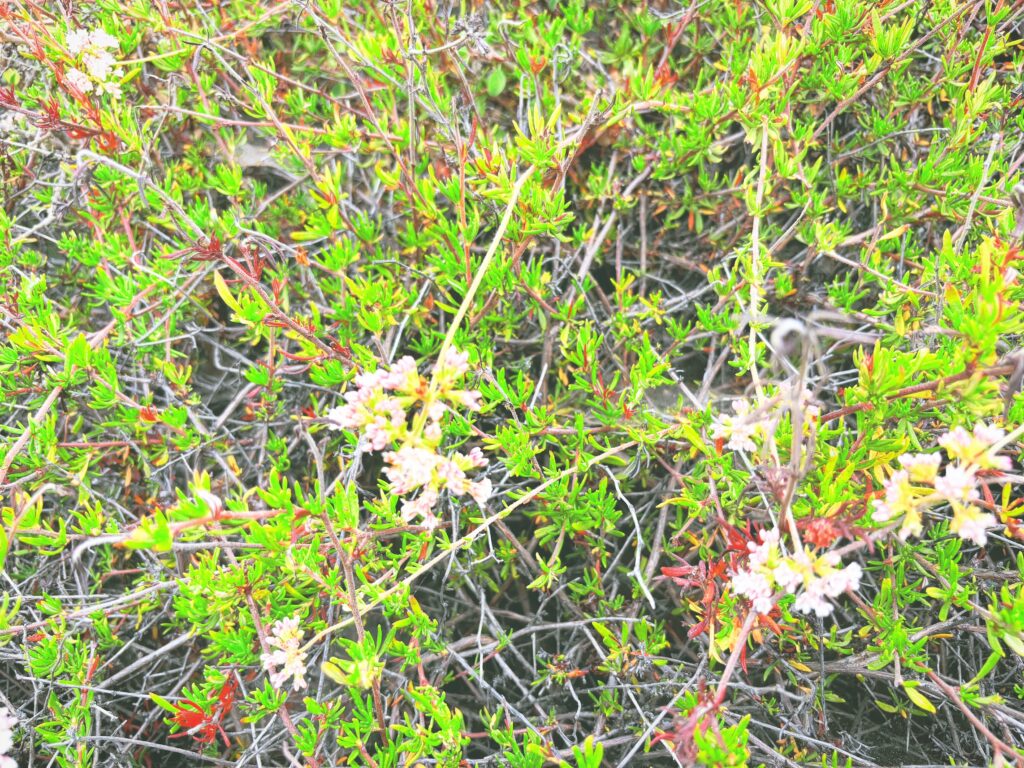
column 396, row 384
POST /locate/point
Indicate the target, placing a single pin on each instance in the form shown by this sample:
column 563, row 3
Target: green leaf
column 1015, row 643
column 496, row 82
column 163, row 703
column 590, row 754
column 78, row 352
column 152, row 533
column 988, row 666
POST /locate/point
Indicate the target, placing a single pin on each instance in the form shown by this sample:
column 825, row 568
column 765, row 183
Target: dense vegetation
column 511, row 383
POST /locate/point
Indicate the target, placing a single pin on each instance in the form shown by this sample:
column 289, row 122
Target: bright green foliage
column 676, row 311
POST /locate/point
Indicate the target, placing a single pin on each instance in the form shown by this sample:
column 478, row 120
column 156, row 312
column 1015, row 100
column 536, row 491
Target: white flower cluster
column 811, row 577
column 94, row 52
column 287, row 660
column 738, row 430
column 7, row 723
column 918, row 485
column 747, row 422
column 380, row 409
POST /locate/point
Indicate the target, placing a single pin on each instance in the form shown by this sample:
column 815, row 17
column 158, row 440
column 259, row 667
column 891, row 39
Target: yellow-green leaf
column 919, row 699
column 225, row 293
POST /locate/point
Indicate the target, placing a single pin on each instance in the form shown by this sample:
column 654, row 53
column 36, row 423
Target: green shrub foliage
column 416, row 383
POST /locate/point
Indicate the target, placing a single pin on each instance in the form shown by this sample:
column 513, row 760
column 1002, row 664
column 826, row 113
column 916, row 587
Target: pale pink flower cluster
column 7, row 723
column 739, row 429
column 381, row 409
column 288, row 659
column 94, row 52
column 918, row 486
column 813, row 578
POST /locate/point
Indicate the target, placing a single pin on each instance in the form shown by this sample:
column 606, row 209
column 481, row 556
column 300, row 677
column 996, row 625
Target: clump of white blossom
column 921, row 483
column 770, row 571
column 94, row 53
column 749, row 421
column 814, row 578
column 7, row 723
column 287, row 659
column 918, row 485
column 401, row 409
